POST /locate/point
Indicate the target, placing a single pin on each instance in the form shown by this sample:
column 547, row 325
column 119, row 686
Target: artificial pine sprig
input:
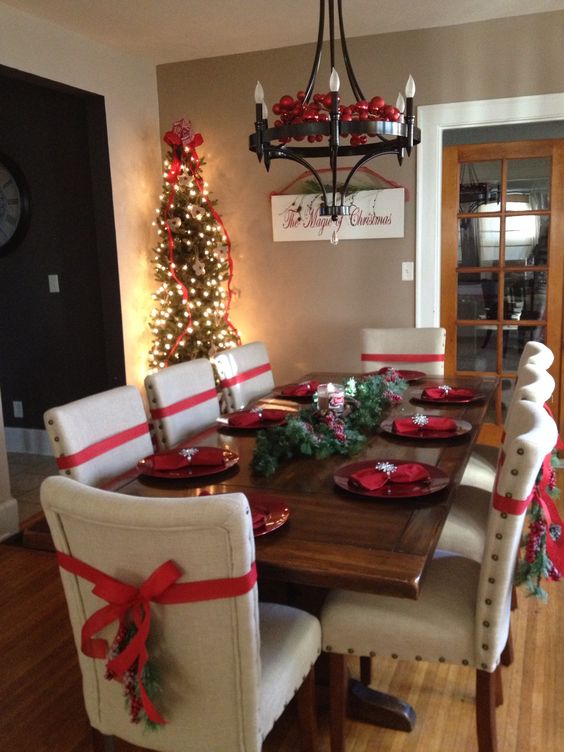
column 535, row 564
column 314, row 434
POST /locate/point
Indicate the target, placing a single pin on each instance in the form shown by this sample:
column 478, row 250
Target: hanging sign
column 373, row 214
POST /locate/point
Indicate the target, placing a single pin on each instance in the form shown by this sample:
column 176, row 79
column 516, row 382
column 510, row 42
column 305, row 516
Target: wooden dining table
column 334, row 537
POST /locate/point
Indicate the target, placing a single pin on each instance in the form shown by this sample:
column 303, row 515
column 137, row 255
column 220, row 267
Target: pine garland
column 536, row 566
column 314, row 434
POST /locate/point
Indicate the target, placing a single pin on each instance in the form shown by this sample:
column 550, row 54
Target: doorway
column 60, row 315
column 502, row 265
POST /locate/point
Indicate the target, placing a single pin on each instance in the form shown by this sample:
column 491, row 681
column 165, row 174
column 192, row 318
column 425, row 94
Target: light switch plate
column 18, row 409
column 53, row 283
column 407, row 271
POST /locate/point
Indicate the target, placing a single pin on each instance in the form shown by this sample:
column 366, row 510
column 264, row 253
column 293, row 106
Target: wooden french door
column 502, row 259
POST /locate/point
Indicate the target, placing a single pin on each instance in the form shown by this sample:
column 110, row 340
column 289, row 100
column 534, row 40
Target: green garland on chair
column 310, row 433
column 536, row 566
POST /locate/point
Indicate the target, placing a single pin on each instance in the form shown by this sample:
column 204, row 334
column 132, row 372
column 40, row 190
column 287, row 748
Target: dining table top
column 333, row 537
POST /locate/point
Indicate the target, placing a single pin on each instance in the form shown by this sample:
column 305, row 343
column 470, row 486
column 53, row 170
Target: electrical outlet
column 53, row 283
column 18, row 409
column 407, row 271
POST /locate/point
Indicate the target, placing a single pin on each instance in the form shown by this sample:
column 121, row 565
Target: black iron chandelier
column 367, row 128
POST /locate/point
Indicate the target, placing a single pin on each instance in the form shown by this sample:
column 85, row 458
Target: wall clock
column 14, row 205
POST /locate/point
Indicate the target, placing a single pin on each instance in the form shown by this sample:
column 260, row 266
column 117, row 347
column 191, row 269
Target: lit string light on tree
column 192, row 262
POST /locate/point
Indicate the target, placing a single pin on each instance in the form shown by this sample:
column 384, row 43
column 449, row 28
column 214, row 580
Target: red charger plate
column 275, row 511
column 145, row 467
column 438, row 480
column 462, row 427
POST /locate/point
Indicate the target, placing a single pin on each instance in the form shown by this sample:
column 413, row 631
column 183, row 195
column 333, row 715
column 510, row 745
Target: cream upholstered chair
column 227, row 666
column 536, row 354
column 464, row 531
column 182, row 399
column 98, row 437
column 245, row 373
column 463, row 613
column 406, row 348
column 481, row 467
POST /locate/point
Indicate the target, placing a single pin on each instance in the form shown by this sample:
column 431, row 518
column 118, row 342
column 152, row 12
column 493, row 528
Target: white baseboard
column 27, row 440
column 9, row 522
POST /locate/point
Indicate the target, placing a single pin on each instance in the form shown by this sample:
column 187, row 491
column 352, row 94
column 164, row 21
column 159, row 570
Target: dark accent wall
column 57, row 347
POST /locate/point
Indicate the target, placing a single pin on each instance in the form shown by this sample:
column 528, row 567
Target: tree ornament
column 198, row 267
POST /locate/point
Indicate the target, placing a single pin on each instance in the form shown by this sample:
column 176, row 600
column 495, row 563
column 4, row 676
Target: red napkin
column 174, row 460
column 407, row 426
column 251, row 419
column 259, row 519
column 451, row 394
column 371, row 479
column 304, row 389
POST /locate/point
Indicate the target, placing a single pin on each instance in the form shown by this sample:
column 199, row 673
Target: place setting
column 254, row 418
column 448, row 395
column 268, row 512
column 302, row 391
column 188, row 462
column 391, row 479
column 420, row 426
column 407, row 375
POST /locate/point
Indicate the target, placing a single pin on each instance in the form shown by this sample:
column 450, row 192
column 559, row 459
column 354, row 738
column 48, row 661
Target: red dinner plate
column 403, row 374
column 145, row 467
column 449, row 400
column 462, row 427
column 275, row 511
column 293, row 397
column 258, row 424
column 438, row 480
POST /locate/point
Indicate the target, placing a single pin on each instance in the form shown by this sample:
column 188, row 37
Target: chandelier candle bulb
column 334, row 81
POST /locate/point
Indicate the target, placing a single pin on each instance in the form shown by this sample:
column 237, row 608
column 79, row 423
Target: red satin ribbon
column 246, row 375
column 555, row 549
column 101, row 447
column 403, row 358
column 159, row 587
column 185, row 404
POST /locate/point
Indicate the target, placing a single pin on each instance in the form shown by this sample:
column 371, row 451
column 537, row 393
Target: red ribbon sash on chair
column 101, row 447
column 404, row 358
column 184, row 404
column 239, row 378
column 159, row 587
column 554, row 548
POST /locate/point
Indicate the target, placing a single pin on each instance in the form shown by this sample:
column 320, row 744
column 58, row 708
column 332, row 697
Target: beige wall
column 308, row 300
column 129, row 87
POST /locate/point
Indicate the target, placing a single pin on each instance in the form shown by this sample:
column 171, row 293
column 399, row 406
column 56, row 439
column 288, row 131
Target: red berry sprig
column 292, row 111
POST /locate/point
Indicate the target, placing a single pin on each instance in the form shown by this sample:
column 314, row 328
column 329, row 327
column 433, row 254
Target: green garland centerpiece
column 319, row 434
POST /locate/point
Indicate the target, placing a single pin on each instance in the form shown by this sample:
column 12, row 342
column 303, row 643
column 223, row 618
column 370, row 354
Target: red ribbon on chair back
column 68, row 461
column 403, row 358
column 123, row 599
column 252, row 373
column 554, row 548
column 184, row 404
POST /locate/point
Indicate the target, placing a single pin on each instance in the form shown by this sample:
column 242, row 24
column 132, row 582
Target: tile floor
column 27, row 471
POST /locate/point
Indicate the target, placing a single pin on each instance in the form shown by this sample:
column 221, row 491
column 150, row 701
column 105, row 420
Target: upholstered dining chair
column 182, row 399
column 98, row 437
column 463, row 613
column 536, row 354
column 481, row 467
column 405, row 348
column 245, row 374
column 227, row 664
column 464, row 532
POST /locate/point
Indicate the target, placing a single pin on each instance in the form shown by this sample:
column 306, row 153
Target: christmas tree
column 192, row 261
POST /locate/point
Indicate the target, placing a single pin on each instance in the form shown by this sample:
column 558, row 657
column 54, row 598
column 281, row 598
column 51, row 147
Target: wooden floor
column 41, row 706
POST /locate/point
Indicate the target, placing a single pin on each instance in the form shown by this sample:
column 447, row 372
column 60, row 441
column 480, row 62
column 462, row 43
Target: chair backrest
column 182, row 399
column 537, row 354
column 407, row 348
column 199, row 648
column 533, row 384
column 245, row 373
column 535, row 437
column 101, row 436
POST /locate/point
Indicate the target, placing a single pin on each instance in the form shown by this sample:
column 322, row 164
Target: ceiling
column 165, row 31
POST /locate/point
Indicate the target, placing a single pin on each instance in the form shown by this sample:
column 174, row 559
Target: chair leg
column 514, row 602
column 486, row 695
column 366, row 670
column 508, row 655
column 498, row 687
column 307, row 717
column 102, row 742
column 338, row 682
